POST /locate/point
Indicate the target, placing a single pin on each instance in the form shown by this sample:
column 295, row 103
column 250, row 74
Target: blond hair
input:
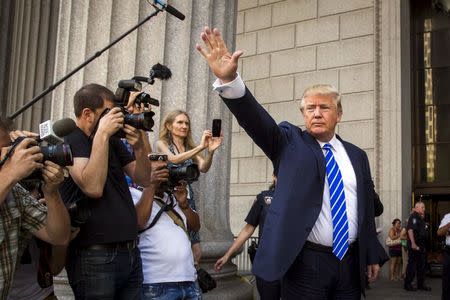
column 166, row 135
column 322, row 89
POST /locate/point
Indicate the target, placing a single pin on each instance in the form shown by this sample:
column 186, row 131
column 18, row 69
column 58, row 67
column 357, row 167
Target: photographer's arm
column 144, row 206
column 57, row 228
column 243, row 236
column 159, row 173
column 192, row 218
column 139, row 170
column 89, row 173
column 162, row 147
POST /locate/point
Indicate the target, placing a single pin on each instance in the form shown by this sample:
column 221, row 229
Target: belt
column 127, row 245
column 321, row 248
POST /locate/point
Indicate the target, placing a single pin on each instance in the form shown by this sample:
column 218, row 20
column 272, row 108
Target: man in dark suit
column 319, row 236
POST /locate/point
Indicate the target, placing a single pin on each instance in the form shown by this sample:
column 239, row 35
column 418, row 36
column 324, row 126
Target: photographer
column 21, row 215
column 167, row 260
column 103, row 260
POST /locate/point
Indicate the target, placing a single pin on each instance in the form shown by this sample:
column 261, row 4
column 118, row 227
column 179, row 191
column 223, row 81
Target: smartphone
column 216, row 127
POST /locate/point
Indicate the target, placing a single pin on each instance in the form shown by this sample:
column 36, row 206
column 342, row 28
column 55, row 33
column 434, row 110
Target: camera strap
column 168, row 208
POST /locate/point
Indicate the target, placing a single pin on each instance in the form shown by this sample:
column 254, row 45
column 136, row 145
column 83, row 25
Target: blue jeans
column 187, row 290
column 105, row 274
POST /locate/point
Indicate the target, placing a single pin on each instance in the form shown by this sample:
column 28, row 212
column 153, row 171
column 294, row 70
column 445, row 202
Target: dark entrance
column 431, row 115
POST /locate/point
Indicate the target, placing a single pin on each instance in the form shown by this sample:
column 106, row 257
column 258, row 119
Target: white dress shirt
column 444, row 222
column 322, row 232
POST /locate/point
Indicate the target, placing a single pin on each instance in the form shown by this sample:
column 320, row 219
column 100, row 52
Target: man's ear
column 88, row 115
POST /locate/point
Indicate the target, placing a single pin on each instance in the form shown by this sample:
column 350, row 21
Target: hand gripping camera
column 188, row 172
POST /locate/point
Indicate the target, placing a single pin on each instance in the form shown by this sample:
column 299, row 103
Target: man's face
column 421, row 209
column 321, row 116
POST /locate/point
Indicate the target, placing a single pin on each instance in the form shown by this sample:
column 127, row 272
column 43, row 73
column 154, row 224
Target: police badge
column 268, row 200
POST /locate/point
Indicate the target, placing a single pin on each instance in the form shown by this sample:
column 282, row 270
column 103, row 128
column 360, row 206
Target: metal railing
column 242, row 260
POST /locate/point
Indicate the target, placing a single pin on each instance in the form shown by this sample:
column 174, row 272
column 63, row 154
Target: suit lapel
column 320, row 158
column 356, row 163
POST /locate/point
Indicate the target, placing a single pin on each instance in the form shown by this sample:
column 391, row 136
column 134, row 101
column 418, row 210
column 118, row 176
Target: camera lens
column 59, row 154
column 142, row 121
column 188, row 173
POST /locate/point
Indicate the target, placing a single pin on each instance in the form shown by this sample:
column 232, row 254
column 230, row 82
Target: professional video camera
column 143, row 120
column 187, row 171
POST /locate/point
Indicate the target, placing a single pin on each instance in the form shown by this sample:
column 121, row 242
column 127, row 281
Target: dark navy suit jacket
column 300, row 166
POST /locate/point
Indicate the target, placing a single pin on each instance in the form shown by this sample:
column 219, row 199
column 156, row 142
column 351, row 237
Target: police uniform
column 416, row 258
column 446, row 261
column 256, row 217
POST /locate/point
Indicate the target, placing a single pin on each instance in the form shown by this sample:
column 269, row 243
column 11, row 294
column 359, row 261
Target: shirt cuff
column 231, row 90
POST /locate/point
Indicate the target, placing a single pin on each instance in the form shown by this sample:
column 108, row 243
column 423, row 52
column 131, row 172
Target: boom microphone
column 170, row 9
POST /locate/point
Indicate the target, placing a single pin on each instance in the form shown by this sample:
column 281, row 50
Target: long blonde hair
column 166, row 135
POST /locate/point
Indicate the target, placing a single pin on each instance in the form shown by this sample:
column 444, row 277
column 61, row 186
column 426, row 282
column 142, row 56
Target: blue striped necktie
column 337, row 204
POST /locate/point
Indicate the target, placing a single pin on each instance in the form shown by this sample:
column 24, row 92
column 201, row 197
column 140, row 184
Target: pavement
column 385, row 289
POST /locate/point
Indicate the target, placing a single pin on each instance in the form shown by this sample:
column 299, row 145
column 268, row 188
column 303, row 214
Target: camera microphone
column 169, row 8
column 52, row 132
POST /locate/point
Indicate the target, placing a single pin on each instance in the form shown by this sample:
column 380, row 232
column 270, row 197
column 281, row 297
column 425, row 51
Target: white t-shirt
column 165, row 248
column 444, row 222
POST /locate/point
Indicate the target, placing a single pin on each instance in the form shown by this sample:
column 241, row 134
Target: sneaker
column 410, row 288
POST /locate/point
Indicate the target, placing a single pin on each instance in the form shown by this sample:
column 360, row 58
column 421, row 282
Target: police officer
column 417, row 236
column 444, row 230
column 256, row 217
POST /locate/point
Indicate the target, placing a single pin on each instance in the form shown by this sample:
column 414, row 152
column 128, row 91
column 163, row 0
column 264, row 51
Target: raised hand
column 205, row 139
column 221, row 62
column 214, row 143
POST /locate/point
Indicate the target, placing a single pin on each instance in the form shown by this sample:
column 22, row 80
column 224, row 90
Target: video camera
column 143, row 120
column 187, row 171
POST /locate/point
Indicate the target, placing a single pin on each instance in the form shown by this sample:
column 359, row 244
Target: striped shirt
column 20, row 216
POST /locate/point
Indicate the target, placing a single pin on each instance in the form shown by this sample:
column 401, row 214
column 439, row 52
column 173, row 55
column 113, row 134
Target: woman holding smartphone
column 175, row 140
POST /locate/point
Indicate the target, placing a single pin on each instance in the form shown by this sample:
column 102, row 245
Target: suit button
column 308, row 229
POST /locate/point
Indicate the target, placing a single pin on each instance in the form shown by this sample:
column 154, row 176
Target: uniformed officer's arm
column 444, row 230
column 413, row 241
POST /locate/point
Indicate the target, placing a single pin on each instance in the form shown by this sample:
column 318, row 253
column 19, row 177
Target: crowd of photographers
column 127, row 235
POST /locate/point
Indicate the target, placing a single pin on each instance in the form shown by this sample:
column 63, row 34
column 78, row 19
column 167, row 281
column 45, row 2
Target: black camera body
column 133, row 85
column 60, row 154
column 186, row 171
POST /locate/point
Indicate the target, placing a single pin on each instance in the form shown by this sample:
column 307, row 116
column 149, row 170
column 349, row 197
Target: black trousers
column 317, row 274
column 268, row 290
column 416, row 267
column 446, row 275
